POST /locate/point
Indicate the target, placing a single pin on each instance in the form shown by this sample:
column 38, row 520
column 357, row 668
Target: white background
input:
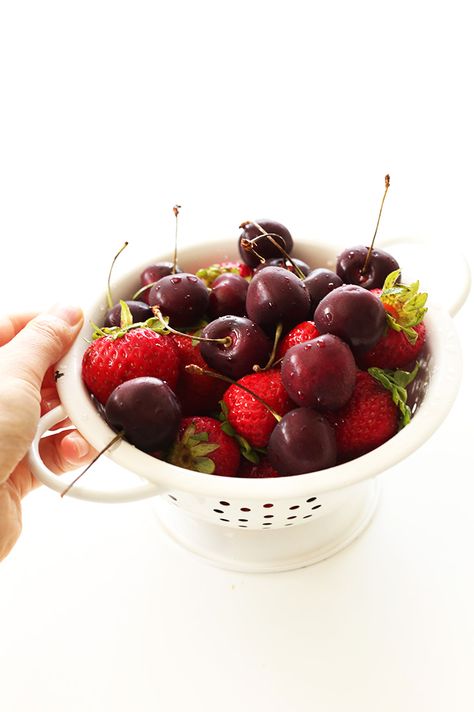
column 110, row 113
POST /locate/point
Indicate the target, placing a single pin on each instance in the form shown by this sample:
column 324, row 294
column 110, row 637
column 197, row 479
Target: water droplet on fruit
column 175, row 280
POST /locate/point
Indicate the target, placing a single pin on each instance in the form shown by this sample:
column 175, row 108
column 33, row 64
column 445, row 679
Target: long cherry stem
column 194, row 368
column 225, row 341
column 112, row 442
column 109, row 291
column 369, row 252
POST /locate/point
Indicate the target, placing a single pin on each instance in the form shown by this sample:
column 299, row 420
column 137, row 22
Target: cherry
column 255, row 230
column 365, row 266
column 139, row 310
column 146, row 411
column 152, row 274
column 320, row 282
column 275, row 296
column 354, row 314
column 182, row 297
column 350, row 266
column 303, row 441
column 320, row 373
column 246, row 345
column 228, row 295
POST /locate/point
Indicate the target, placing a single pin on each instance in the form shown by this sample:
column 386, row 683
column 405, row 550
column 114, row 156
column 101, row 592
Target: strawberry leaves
column 192, row 449
column 396, row 382
column 406, row 302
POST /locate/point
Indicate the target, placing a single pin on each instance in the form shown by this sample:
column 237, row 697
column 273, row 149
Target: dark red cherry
column 350, row 266
column 153, row 273
column 147, row 412
column 139, row 310
column 227, row 296
column 354, row 314
column 320, row 373
column 286, row 264
column 263, row 245
column 182, row 297
column 303, row 441
column 320, row 282
column 276, row 295
column 248, row 345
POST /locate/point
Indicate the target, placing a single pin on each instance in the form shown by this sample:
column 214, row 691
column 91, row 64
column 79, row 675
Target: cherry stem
column 225, row 341
column 387, row 186
column 198, row 371
column 249, row 247
column 140, row 291
column 112, row 442
column 109, row 291
column 271, row 359
column 271, row 236
column 175, row 259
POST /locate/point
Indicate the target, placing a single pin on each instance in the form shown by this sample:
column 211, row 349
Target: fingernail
column 70, row 314
column 81, row 446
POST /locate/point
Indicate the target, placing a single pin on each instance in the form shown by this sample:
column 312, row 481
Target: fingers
column 65, row 451
column 11, row 325
column 41, row 343
column 60, row 452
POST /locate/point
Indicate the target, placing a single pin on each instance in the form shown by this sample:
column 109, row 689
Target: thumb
column 41, row 343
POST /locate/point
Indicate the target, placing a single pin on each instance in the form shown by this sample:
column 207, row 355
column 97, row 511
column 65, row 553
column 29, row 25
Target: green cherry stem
column 226, row 341
column 271, row 359
column 109, row 291
column 197, row 370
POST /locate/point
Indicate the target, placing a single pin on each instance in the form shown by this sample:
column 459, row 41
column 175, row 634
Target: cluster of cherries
column 243, row 318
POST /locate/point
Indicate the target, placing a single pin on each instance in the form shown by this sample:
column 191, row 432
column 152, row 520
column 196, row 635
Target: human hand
column 29, row 347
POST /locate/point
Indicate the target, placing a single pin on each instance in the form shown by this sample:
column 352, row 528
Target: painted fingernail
column 70, row 314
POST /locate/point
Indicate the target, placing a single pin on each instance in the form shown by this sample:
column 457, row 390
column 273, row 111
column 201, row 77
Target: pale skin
column 30, row 345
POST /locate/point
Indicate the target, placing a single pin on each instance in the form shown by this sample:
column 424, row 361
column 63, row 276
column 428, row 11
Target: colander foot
column 272, row 550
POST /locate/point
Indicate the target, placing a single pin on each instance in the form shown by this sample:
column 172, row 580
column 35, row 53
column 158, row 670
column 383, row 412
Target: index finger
column 10, row 326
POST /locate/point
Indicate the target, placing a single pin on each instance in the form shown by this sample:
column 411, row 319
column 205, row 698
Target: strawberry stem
column 197, row 370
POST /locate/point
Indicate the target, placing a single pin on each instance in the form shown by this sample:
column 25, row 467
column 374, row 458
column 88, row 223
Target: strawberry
column 209, row 274
column 257, row 470
column 112, row 359
column 202, row 445
column 405, row 334
column 374, row 413
column 247, row 415
column 199, row 395
column 301, row 332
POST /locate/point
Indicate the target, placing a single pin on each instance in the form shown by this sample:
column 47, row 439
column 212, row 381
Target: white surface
column 110, row 114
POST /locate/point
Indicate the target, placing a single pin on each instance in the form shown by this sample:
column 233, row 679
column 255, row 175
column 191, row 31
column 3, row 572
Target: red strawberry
column 112, row 360
column 372, row 415
column 406, row 332
column 394, row 350
column 248, row 416
column 257, row 471
column 209, row 274
column 199, row 395
column 301, row 332
column 203, row 446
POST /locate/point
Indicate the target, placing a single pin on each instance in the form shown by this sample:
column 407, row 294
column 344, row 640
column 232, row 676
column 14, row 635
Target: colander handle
column 44, row 475
column 454, row 292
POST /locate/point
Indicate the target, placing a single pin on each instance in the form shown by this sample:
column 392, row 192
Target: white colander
column 264, row 524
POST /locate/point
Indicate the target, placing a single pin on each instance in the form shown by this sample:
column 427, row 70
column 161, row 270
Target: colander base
column 265, row 551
